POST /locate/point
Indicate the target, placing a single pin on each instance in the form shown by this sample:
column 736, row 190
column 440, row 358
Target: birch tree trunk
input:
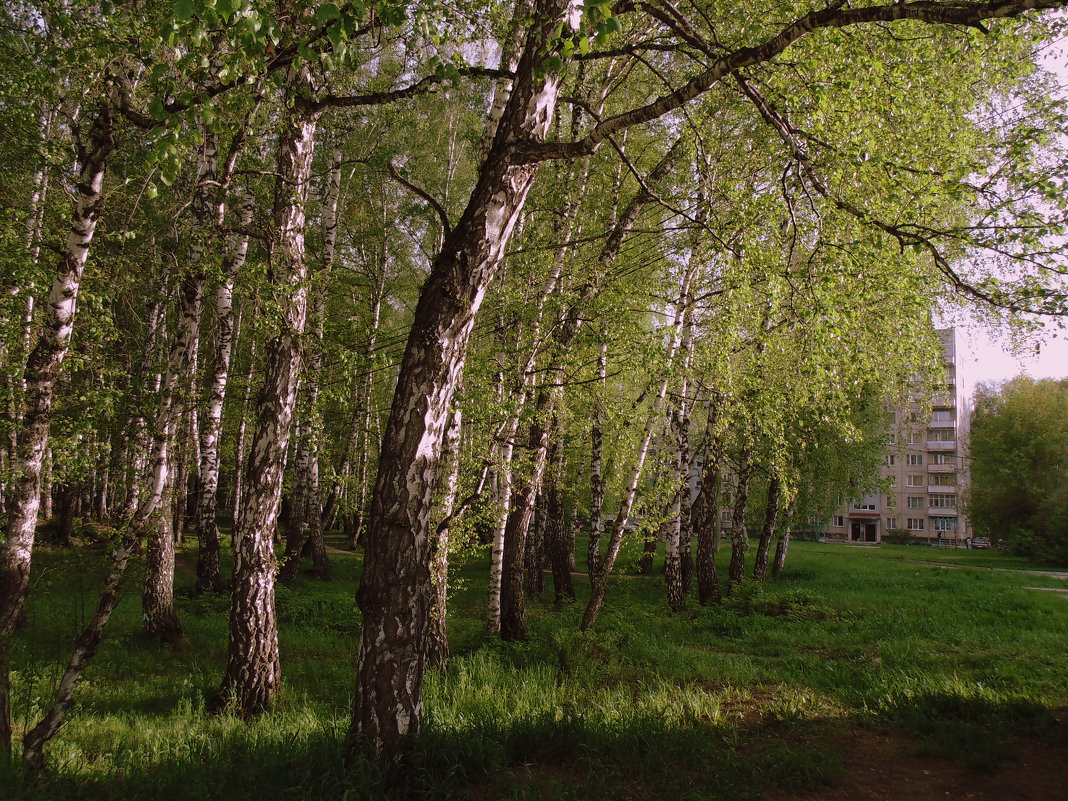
column 84, row 649
column 504, row 500
column 42, row 367
column 438, row 636
column 557, row 529
column 739, row 532
column 154, row 515
column 138, row 437
column 252, row 670
column 534, row 558
column 599, row 581
column 513, row 614
column 395, row 591
column 704, row 515
column 309, row 497
column 241, row 444
column 680, row 431
column 597, row 482
column 209, row 578
column 771, row 515
column 782, row 545
column 298, row 500
column 360, row 429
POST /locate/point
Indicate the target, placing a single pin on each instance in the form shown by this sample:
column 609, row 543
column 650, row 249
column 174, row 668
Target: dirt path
column 883, row 766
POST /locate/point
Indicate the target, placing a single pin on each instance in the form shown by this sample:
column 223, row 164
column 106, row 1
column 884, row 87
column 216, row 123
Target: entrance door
column 869, row 532
column 856, row 531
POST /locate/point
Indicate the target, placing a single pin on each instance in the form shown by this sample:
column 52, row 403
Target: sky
column 981, row 355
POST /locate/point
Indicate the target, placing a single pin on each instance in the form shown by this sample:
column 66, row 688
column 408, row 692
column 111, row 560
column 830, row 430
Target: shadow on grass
column 977, row 730
column 548, row 757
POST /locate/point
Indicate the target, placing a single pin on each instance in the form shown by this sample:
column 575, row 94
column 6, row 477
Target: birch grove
column 499, row 287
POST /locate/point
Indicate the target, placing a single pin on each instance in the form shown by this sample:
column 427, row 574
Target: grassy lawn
column 742, row 701
column 988, row 558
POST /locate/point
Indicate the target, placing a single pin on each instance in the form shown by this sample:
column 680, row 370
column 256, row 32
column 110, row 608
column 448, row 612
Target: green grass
column 728, row 702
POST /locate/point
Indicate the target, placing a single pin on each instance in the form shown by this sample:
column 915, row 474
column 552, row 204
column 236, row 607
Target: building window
column 943, row 480
column 891, row 523
column 915, row 502
column 942, row 416
column 915, row 524
column 725, row 516
column 891, row 500
column 893, row 438
column 940, row 458
column 915, row 459
column 944, row 523
column 838, row 521
column 943, row 501
column 942, row 435
column 891, row 460
column 915, row 438
column 914, row 481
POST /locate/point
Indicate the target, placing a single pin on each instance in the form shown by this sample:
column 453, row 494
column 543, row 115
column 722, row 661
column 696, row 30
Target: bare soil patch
column 881, row 766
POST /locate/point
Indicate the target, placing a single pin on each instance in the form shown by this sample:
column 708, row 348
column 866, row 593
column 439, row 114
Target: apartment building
column 925, row 464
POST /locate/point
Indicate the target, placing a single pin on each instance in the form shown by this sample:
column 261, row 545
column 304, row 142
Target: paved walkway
column 1057, row 574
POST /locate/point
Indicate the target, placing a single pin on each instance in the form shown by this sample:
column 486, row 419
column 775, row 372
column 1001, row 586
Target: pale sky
column 981, row 355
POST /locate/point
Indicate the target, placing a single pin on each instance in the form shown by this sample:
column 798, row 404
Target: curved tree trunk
column 395, row 589
column 42, row 367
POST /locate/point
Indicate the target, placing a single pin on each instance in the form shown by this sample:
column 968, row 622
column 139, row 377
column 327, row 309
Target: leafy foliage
column 1019, row 462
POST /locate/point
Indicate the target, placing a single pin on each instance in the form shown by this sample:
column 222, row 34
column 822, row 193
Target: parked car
column 981, row 542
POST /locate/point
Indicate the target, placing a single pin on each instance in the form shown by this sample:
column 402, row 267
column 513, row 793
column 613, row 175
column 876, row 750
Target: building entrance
column 863, row 531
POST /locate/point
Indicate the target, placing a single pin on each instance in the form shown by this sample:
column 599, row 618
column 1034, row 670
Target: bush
column 899, row 536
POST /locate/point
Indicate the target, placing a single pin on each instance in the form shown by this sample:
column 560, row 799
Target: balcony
column 942, row 511
column 942, row 489
column 942, row 446
column 941, row 468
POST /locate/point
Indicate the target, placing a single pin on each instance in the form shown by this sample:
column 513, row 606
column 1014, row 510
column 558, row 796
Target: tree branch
column 438, row 208
column 969, row 14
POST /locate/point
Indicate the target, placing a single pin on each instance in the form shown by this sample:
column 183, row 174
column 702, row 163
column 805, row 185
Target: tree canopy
column 1019, row 466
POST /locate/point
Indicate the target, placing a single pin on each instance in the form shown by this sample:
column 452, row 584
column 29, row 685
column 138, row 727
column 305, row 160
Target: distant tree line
column 1019, row 466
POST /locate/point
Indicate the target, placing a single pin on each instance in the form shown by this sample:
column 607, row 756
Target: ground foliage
column 730, row 702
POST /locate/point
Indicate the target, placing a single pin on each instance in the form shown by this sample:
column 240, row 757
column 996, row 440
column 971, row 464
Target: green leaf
column 184, row 9
column 155, row 108
column 326, row 12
